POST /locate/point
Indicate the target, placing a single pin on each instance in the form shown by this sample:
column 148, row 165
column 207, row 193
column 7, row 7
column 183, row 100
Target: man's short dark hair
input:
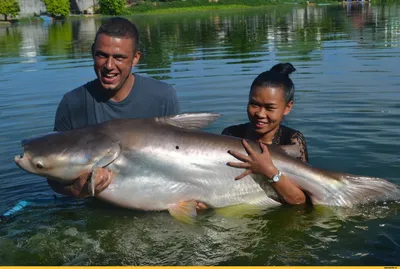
column 122, row 28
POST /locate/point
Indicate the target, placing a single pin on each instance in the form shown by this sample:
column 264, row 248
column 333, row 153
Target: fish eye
column 39, row 165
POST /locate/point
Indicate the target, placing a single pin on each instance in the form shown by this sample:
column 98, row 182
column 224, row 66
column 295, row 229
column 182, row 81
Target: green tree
column 112, row 7
column 57, row 7
column 9, row 7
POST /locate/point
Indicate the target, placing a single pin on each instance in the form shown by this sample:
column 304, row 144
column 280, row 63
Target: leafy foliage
column 112, row 7
column 57, row 7
column 9, row 7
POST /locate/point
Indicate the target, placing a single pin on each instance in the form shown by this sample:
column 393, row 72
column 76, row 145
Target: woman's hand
column 261, row 163
column 80, row 187
column 254, row 163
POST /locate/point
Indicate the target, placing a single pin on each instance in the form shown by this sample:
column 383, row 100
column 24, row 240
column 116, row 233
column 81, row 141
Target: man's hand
column 201, row 206
column 80, row 187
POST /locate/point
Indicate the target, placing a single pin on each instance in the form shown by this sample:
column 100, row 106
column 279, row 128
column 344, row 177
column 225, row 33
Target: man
column 116, row 93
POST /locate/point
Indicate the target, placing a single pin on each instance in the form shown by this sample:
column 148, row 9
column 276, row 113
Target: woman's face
column 266, row 108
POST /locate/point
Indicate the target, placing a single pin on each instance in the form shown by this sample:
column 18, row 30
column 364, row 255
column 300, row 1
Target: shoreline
column 179, row 7
column 196, row 9
column 195, row 6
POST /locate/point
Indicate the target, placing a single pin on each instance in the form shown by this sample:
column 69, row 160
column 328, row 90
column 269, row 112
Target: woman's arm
column 299, row 140
column 261, row 163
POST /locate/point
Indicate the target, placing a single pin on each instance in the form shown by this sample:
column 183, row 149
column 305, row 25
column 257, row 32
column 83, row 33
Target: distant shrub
column 9, row 7
column 112, row 7
column 57, row 7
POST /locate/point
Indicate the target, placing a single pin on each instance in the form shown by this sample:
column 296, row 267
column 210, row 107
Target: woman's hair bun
column 283, row 68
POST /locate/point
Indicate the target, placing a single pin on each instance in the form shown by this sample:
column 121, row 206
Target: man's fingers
column 104, row 185
column 238, row 165
column 103, row 180
column 81, row 181
column 101, row 186
column 242, row 175
column 201, row 206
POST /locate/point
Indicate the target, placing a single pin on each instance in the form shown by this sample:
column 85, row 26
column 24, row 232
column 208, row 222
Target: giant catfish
column 167, row 163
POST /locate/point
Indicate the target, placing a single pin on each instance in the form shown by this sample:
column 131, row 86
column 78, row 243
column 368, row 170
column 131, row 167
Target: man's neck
column 122, row 93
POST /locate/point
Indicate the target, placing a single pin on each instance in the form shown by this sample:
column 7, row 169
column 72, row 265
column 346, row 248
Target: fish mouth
column 22, row 159
column 19, row 160
column 24, row 162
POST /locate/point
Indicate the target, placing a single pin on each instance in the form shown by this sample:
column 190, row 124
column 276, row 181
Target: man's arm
column 79, row 188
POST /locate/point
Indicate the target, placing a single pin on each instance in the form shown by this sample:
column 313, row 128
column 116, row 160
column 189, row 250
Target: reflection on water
column 347, row 105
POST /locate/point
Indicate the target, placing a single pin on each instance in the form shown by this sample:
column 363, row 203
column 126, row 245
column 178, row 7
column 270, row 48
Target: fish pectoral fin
column 184, row 211
column 110, row 156
column 193, row 121
column 92, row 181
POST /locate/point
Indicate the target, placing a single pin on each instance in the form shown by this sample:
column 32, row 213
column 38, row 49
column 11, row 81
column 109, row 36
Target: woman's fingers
column 242, row 175
column 264, row 148
column 247, row 147
column 238, row 165
column 239, row 156
column 246, row 160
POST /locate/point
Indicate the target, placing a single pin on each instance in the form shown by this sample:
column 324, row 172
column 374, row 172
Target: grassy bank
column 187, row 9
column 23, row 20
column 199, row 5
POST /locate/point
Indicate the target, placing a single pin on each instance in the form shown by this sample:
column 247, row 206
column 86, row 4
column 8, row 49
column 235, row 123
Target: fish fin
column 184, row 211
column 193, row 121
column 92, row 182
column 239, row 210
column 111, row 155
column 357, row 190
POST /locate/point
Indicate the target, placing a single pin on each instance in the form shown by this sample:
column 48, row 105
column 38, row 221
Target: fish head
column 64, row 156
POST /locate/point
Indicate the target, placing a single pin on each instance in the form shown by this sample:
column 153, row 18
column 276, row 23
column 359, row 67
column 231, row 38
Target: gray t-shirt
column 85, row 106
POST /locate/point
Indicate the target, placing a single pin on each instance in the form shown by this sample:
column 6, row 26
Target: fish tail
column 365, row 190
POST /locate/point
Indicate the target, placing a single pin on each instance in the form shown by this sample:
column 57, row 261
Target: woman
column 270, row 99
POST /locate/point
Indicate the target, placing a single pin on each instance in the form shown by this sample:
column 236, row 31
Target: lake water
column 346, row 104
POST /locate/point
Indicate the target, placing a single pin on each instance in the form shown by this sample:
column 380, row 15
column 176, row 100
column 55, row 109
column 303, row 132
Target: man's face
column 114, row 58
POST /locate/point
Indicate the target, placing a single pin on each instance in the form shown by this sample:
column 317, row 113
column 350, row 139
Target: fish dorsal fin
column 193, row 121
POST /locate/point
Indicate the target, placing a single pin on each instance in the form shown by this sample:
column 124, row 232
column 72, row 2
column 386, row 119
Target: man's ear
column 288, row 108
column 136, row 58
column 93, row 50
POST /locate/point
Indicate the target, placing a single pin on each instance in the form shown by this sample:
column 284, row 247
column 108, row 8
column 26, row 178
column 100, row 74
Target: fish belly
column 153, row 178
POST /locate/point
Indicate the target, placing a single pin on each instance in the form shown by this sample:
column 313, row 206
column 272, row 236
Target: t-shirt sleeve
column 299, row 140
column 62, row 120
column 172, row 103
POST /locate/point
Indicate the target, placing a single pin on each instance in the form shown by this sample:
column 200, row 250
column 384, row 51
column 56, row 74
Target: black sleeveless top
column 284, row 136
